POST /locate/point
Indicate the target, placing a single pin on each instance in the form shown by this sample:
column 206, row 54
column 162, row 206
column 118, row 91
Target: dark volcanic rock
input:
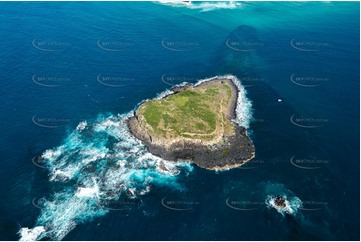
column 232, row 151
column 178, row 89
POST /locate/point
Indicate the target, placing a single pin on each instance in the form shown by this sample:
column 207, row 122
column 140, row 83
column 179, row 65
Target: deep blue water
column 63, row 63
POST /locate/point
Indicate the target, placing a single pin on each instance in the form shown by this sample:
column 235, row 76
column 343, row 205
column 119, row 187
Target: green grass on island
column 195, row 113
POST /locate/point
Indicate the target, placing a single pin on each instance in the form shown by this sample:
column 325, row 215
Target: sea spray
column 91, row 172
column 244, row 112
column 100, row 163
column 292, row 202
column 203, row 6
column 244, row 105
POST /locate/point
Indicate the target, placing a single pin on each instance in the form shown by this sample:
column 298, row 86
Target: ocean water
column 71, row 72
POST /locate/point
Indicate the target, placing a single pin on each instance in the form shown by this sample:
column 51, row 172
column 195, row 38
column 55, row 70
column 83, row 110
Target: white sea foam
column 52, row 154
column 244, row 105
column 167, row 168
column 88, row 191
column 106, row 173
column 81, row 125
column 103, row 175
column 203, row 6
column 292, row 205
column 27, row 234
column 59, row 175
column 244, row 112
column 165, row 93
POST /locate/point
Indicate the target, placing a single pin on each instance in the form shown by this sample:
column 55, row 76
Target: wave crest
column 292, row 205
column 98, row 164
column 244, row 111
column 203, row 6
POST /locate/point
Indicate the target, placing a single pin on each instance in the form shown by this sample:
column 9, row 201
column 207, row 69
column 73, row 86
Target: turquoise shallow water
column 64, row 63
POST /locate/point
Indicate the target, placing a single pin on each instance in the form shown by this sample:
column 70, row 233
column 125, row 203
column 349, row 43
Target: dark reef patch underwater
column 72, row 73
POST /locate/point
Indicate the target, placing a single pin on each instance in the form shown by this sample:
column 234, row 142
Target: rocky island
column 195, row 123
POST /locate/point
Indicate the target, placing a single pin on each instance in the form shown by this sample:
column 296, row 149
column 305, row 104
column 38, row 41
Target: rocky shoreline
column 233, row 151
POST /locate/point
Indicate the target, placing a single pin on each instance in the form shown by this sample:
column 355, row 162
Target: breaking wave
column 98, row 165
column 203, row 6
column 292, row 203
column 244, row 111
